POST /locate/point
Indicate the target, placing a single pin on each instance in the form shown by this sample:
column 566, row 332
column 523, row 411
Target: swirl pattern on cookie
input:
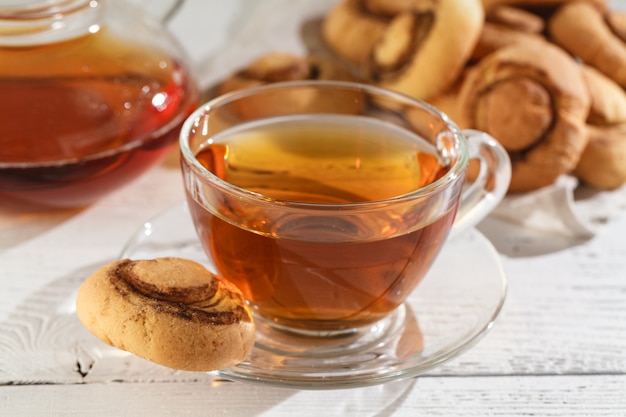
column 543, row 128
column 424, row 48
column 170, row 311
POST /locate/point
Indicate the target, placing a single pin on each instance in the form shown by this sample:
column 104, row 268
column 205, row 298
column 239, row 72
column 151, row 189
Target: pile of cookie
column 544, row 77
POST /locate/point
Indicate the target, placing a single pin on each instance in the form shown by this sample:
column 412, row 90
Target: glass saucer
column 453, row 307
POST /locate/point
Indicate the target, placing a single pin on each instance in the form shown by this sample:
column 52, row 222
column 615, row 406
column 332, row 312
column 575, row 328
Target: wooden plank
column 573, row 396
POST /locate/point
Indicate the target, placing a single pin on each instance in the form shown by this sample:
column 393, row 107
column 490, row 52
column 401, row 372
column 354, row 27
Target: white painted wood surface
column 558, row 349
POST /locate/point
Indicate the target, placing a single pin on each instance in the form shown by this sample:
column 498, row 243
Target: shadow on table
column 21, row 221
column 43, row 342
column 241, row 399
column 595, row 209
column 519, row 242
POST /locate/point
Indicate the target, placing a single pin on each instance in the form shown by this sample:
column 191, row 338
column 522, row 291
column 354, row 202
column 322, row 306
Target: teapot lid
column 29, row 22
column 34, row 7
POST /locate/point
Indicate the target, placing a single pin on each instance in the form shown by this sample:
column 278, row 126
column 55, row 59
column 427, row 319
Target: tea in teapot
column 92, row 93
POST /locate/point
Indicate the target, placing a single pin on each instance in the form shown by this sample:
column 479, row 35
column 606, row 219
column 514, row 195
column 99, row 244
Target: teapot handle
column 162, row 10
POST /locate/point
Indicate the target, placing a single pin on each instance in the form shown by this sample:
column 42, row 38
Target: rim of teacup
column 453, row 174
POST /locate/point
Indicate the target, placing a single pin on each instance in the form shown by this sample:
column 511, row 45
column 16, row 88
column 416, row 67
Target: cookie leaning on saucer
column 170, row 311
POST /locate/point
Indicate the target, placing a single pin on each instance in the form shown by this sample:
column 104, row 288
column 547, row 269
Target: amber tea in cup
column 326, row 217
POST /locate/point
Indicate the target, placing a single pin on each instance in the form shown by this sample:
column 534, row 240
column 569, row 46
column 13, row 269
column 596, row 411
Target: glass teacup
column 326, row 203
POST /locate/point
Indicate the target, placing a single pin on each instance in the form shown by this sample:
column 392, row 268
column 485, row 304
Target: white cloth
column 563, row 209
column 553, row 218
column 550, row 209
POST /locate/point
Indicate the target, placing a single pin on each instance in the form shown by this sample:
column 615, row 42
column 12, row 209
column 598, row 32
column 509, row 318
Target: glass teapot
column 92, row 93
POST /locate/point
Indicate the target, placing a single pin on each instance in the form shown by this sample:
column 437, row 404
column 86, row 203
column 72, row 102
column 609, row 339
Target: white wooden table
column 558, row 348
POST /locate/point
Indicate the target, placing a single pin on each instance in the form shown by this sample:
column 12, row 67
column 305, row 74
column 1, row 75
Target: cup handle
column 491, row 184
column 161, row 10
